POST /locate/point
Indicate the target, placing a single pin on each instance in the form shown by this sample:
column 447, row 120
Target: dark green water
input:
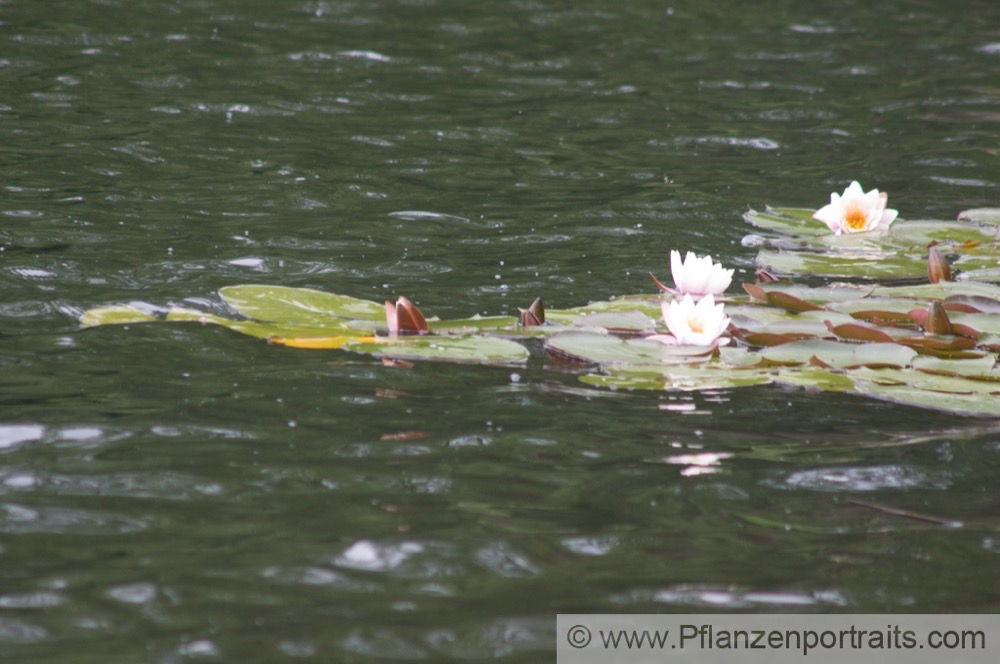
column 176, row 493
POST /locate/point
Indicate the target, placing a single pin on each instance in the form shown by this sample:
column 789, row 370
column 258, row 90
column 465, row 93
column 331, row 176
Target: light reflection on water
column 183, row 492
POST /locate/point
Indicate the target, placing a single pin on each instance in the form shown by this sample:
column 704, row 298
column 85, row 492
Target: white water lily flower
column 698, row 276
column 856, row 211
column 693, row 324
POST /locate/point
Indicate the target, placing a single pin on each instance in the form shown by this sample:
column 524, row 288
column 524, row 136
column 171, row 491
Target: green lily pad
column 789, row 221
column 938, row 291
column 118, row 314
column 476, row 325
column 914, row 388
column 262, row 330
column 980, row 368
column 649, row 305
column 923, row 232
column 608, row 350
column 989, row 216
column 684, row 378
column 299, row 306
column 840, row 355
column 815, row 378
column 842, row 265
column 463, row 350
column 840, row 292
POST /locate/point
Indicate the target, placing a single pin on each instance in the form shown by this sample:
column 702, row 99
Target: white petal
column 888, row 216
column 677, row 269
column 832, row 215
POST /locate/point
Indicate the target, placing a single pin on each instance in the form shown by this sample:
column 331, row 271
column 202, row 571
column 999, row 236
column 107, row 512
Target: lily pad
column 924, row 232
column 608, row 350
column 840, row 355
column 258, row 329
column 118, row 314
column 684, row 378
column 989, row 216
column 842, row 265
column 948, row 393
column 463, row 350
column 789, row 221
column 299, row 306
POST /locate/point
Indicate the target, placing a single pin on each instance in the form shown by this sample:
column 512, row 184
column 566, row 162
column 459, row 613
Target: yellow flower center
column 855, row 219
column 696, row 325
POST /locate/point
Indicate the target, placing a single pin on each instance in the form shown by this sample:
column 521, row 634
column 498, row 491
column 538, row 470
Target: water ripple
column 16, row 518
column 859, row 479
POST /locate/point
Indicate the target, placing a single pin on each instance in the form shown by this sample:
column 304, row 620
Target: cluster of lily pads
column 893, row 309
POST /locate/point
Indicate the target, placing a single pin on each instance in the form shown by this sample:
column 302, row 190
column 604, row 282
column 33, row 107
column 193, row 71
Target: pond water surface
column 182, row 492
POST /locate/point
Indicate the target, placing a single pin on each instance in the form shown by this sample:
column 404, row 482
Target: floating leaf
column 608, row 350
column 118, row 314
column 756, row 292
column 790, row 221
column 984, row 305
column 299, row 306
column 840, row 355
column 629, row 322
column 922, row 233
column 476, row 325
column 772, row 338
column 808, row 377
column 789, row 302
column 685, row 378
column 979, row 367
column 859, row 332
column 948, row 393
column 318, row 343
column 841, row 265
column 259, row 329
column 938, row 291
column 990, row 216
column 465, row 350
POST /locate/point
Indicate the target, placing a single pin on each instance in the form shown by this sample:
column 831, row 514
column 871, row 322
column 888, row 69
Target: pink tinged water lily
column 696, row 276
column 855, row 211
column 694, row 324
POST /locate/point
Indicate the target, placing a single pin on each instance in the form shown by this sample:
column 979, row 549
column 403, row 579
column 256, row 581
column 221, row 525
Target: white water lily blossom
column 855, row 211
column 698, row 276
column 691, row 324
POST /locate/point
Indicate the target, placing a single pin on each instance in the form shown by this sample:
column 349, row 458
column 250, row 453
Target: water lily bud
column 937, row 320
column 533, row 315
column 404, row 317
column 938, row 268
